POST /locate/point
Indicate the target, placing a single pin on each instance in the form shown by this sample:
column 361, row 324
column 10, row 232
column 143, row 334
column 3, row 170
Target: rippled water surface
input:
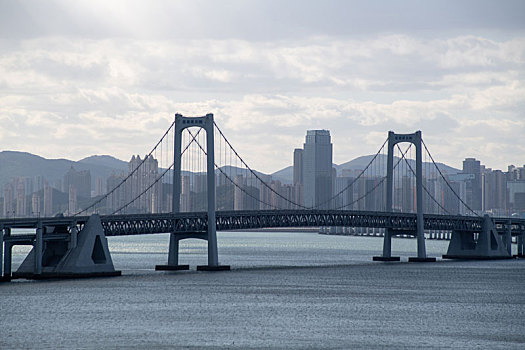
column 285, row 290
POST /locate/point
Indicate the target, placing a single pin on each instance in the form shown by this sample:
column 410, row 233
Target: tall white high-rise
column 317, row 169
column 144, row 183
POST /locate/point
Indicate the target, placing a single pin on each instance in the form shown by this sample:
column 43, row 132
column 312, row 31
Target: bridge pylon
column 416, row 140
column 206, row 123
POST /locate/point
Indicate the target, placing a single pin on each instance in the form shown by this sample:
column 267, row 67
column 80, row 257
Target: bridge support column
column 173, row 257
column 520, row 245
column 73, row 239
column 1, row 252
column 508, row 238
column 387, row 248
column 38, row 248
column 8, row 254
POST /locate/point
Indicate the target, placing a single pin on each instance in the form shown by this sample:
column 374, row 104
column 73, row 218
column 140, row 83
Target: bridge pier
column 488, row 245
column 2, row 253
column 520, row 246
column 387, row 248
column 38, row 247
column 8, row 254
column 55, row 256
column 173, row 256
column 508, row 238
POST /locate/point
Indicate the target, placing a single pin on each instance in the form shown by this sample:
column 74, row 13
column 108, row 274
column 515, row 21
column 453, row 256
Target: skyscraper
column 298, row 176
column 35, row 205
column 144, row 184
column 116, row 195
column 21, row 208
column 9, row 209
column 317, row 169
column 48, row 200
column 474, row 195
column 81, row 181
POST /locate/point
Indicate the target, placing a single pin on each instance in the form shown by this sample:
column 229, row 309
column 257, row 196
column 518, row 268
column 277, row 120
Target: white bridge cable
column 446, row 181
column 129, row 175
column 228, row 177
column 255, row 174
column 424, row 187
column 158, row 178
column 376, row 186
column 357, row 178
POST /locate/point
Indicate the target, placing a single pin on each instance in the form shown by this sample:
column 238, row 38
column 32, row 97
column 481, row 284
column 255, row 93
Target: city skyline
column 119, row 73
column 142, row 187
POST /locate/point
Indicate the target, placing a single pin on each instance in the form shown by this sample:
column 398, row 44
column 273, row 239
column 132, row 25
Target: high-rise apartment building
column 116, row 194
column 494, row 191
column 35, row 205
column 100, row 186
column 317, row 169
column 474, row 188
column 80, row 180
column 21, row 207
column 298, row 184
column 9, row 208
column 48, row 200
column 144, row 185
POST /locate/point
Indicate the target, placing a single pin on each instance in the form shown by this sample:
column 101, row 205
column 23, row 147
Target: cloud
column 65, row 97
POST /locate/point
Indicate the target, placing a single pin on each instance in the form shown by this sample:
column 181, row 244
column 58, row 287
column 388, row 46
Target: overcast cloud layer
column 85, row 78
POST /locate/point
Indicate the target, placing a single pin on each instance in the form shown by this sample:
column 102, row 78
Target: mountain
column 360, row 163
column 15, row 164
column 285, row 175
column 106, row 161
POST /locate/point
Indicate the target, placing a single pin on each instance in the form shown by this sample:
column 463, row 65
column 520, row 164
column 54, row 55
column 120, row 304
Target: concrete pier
column 487, row 245
column 64, row 256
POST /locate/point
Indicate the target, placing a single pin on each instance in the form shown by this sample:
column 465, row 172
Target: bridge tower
column 207, row 124
column 415, row 139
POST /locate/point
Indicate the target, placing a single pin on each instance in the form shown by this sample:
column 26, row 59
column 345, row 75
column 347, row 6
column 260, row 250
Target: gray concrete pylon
column 38, row 247
column 416, row 140
column 387, row 242
column 421, row 249
column 8, row 254
column 213, row 256
column 207, row 124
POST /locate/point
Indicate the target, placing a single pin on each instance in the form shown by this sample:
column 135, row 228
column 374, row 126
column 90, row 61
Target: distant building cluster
column 314, row 185
column 35, row 196
column 142, row 182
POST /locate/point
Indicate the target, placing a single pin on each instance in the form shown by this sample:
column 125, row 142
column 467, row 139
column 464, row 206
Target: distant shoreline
column 279, row 229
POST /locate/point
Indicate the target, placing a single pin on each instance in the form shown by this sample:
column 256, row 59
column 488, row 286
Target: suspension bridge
column 193, row 184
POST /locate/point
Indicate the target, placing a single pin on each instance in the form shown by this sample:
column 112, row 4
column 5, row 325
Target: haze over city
column 96, row 77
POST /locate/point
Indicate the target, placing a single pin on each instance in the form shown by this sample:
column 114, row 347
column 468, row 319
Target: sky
column 79, row 78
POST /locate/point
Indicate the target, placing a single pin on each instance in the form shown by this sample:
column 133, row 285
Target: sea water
column 286, row 290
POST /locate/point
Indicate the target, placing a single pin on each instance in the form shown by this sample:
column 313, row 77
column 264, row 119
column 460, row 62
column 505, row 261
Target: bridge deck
column 134, row 224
